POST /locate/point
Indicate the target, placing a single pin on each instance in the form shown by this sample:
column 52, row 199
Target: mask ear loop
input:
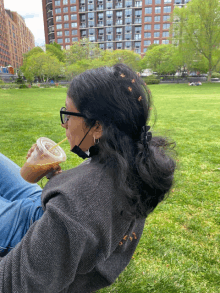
column 78, row 151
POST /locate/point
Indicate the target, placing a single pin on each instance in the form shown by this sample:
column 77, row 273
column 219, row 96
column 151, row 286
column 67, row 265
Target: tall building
column 4, row 47
column 113, row 24
column 20, row 38
column 15, row 38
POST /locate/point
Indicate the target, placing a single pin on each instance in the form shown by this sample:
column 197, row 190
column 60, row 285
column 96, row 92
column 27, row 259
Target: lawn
column 179, row 249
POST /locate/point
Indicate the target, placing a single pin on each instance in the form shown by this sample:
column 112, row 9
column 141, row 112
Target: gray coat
column 83, row 241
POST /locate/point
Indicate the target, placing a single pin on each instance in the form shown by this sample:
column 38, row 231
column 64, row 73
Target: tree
column 197, row 30
column 43, row 65
column 122, row 56
column 161, row 58
column 55, row 50
column 82, row 50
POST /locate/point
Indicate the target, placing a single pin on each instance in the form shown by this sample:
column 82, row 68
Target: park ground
column 179, row 249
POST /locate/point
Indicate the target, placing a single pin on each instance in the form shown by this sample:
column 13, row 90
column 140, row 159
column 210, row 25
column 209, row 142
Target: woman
column 93, row 215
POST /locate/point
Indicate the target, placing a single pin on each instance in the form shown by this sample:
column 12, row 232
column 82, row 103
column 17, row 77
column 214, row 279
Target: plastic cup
column 42, row 159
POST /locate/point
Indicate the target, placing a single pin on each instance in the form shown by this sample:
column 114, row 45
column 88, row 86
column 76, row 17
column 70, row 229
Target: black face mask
column 93, row 150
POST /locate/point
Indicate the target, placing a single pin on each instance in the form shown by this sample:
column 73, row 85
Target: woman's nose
column 64, row 125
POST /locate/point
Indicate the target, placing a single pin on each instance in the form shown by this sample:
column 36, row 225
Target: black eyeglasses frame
column 69, row 113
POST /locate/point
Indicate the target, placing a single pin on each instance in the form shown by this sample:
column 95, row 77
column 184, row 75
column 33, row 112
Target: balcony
column 49, row 1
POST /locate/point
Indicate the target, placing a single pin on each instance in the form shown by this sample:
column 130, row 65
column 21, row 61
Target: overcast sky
column 33, row 15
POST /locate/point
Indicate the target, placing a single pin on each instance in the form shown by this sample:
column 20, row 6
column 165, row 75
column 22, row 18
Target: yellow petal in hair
column 138, row 74
column 140, row 98
column 130, row 89
column 122, row 75
column 133, row 80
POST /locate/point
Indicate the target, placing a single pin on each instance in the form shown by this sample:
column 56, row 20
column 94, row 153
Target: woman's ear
column 97, row 133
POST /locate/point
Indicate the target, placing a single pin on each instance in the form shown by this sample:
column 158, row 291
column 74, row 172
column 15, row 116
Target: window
column 158, row 1
column 167, row 9
column 74, row 39
column 67, row 40
column 57, row 3
column 147, row 35
column 128, row 12
column 166, row 26
column 119, row 45
column 147, row 27
column 91, row 31
column 156, row 42
column 145, row 50
column 65, row 2
column 127, row 44
column 148, row 2
column 156, row 34
column 67, row 47
column 66, row 25
column 157, row 26
column 158, row 9
column 73, row 16
column 109, row 45
column 148, row 19
column 166, row 17
column 90, row 7
column 109, row 13
column 72, row 1
column 165, row 34
column 127, row 36
column 157, row 18
column 67, row 33
column 58, row 18
column 59, row 34
column 167, row 1
column 92, row 38
column 58, row 10
column 74, row 24
column 59, row 41
column 59, row 26
column 65, row 9
column 165, row 42
column 74, row 32
column 147, row 43
column 101, row 46
column 137, row 44
column 73, row 8
column 91, row 15
column 66, row 17
column 148, row 10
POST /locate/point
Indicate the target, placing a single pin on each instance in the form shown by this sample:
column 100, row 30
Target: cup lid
column 57, row 153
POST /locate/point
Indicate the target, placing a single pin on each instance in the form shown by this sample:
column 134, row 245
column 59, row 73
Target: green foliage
column 55, row 50
column 215, row 75
column 162, row 59
column 8, row 86
column 196, row 30
column 20, row 79
column 1, row 81
column 44, row 65
column 151, row 79
column 23, row 86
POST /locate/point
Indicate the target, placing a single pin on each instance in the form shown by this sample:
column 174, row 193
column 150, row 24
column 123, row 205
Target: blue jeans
column 20, row 205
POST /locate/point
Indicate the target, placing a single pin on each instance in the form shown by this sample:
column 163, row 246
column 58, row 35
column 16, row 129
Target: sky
column 32, row 12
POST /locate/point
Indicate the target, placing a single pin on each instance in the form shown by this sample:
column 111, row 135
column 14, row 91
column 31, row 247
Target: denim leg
column 20, row 205
column 12, row 185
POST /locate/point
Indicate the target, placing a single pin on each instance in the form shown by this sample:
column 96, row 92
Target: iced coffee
column 45, row 157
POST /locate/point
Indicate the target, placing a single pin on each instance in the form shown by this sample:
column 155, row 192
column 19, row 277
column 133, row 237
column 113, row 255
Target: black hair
column 120, row 101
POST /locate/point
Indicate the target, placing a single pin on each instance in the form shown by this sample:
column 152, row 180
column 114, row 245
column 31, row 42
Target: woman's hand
column 57, row 170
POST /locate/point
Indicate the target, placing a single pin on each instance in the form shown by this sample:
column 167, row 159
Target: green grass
column 179, row 249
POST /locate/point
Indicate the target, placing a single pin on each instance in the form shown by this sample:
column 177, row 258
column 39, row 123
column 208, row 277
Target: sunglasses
column 64, row 115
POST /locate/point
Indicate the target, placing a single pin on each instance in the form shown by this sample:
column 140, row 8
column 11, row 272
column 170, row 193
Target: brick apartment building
column 4, row 46
column 16, row 39
column 113, row 24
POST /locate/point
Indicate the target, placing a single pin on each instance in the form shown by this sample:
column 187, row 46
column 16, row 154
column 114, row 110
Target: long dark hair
column 120, row 100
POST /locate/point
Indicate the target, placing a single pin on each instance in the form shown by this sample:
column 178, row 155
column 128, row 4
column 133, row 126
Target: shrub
column 215, row 75
column 151, row 79
column 23, row 86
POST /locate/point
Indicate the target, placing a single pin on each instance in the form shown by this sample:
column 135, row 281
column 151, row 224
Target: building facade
column 20, row 38
column 4, row 47
column 113, row 24
column 15, row 38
